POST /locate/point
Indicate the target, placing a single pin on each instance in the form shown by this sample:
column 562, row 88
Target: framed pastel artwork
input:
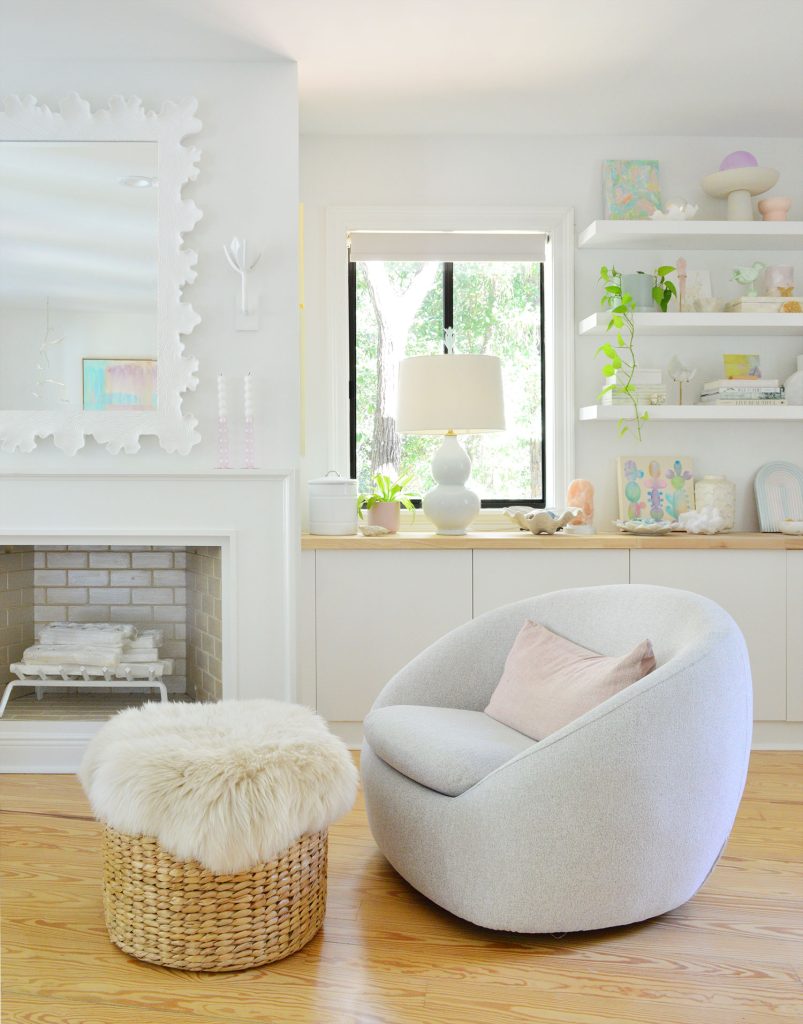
column 655, row 487
column 119, row 385
column 631, row 189
column 741, row 366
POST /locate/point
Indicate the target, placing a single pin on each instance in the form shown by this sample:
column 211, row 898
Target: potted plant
column 650, row 291
column 384, row 503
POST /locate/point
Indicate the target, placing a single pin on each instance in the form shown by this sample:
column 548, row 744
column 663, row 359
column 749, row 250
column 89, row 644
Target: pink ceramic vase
column 387, row 514
column 775, row 207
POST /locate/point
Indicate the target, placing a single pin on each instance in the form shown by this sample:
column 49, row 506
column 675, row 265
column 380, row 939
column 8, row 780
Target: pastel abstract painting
column 631, row 189
column 655, row 487
column 127, row 385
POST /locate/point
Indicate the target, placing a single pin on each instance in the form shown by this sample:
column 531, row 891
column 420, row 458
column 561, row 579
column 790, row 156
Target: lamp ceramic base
column 450, row 505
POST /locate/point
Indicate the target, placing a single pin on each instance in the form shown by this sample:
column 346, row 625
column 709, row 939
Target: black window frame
column 447, row 270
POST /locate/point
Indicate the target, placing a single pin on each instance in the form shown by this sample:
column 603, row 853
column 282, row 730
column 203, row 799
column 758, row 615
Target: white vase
column 793, row 386
column 720, row 493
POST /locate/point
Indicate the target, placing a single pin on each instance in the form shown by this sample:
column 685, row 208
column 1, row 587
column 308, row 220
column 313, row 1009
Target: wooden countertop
column 510, row 539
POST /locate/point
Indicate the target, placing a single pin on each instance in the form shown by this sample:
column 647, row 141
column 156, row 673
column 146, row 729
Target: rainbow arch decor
column 119, row 385
column 655, row 488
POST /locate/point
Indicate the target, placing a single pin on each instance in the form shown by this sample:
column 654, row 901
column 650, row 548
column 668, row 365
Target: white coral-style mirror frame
column 23, row 118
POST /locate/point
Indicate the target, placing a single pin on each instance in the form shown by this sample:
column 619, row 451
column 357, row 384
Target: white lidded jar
column 333, row 505
column 719, row 492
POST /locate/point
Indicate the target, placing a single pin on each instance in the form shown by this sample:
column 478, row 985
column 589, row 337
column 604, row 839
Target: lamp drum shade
column 444, row 393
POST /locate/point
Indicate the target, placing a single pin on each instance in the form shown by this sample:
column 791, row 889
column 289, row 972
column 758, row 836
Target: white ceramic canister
column 719, row 492
column 333, row 505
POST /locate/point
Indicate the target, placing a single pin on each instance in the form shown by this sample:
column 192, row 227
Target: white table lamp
column 450, row 395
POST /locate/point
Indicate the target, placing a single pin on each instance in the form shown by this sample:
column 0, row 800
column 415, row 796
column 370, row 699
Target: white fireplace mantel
column 250, row 516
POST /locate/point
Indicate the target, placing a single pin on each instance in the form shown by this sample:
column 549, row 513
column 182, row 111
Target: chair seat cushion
column 445, row 749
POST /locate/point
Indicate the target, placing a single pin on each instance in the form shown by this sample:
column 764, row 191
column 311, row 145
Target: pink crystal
column 581, row 495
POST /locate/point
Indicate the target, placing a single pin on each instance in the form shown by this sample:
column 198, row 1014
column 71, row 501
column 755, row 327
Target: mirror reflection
column 78, row 275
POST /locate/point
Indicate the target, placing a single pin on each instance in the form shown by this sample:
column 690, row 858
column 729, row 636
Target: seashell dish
column 645, row 527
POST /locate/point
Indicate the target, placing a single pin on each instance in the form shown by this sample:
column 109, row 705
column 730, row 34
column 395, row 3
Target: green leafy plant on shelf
column 621, row 306
column 387, row 490
column 663, row 290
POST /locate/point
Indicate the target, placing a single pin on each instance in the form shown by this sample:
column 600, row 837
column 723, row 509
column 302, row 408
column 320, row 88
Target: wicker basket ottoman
column 215, row 837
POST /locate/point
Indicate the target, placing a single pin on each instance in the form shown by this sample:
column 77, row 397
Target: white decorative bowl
column 642, row 528
column 794, row 527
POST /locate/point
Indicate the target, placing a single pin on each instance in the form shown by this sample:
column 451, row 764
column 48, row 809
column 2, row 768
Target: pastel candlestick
column 248, row 417
column 222, row 425
column 682, row 284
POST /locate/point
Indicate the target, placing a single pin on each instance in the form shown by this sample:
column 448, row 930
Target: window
column 401, row 307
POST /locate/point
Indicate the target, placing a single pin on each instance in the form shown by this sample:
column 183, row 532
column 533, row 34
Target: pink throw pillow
column 549, row 681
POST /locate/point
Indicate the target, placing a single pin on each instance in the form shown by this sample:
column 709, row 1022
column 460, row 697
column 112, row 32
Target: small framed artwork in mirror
column 120, row 385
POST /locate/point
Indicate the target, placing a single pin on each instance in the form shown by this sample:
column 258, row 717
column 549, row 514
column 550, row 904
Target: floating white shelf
column 692, row 234
column 696, row 412
column 698, row 324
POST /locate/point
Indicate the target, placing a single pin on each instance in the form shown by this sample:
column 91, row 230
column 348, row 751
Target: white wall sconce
column 247, row 311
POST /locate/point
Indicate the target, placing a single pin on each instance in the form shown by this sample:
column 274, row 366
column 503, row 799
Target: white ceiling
column 674, row 67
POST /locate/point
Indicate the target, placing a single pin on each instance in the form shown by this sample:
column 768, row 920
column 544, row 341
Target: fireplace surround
column 240, row 526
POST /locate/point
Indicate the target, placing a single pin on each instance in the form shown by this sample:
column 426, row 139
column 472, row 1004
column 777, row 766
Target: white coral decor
column 702, row 520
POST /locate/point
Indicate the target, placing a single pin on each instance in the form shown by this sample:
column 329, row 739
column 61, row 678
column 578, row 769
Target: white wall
column 539, row 171
column 247, row 186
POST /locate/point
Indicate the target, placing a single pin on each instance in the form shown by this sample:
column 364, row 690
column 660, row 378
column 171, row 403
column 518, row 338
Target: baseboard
column 777, row 735
column 349, row 732
column 57, row 747
column 44, row 747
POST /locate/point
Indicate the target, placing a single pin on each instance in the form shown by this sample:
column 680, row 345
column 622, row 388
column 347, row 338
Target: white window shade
column 447, row 246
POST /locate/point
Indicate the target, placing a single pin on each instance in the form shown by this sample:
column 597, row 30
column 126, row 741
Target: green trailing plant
column 387, row 490
column 621, row 306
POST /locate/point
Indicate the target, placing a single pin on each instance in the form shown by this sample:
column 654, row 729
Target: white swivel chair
column 618, row 817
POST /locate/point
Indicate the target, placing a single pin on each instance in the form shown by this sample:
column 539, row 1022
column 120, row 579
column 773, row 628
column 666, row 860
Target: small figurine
column 748, row 277
column 680, row 374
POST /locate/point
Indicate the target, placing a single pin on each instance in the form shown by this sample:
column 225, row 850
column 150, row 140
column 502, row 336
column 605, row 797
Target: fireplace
column 210, row 559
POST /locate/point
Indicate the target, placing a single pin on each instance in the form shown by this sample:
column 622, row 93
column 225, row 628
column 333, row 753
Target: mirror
column 78, row 275
column 92, row 267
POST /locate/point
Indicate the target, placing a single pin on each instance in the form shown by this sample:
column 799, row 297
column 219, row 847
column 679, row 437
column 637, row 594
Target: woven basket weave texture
column 178, row 914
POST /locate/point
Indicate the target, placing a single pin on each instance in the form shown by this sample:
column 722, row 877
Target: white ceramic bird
column 748, row 276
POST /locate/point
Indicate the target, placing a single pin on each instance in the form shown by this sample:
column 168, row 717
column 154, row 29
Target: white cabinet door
column 375, row 610
column 794, row 636
column 501, row 577
column 751, row 585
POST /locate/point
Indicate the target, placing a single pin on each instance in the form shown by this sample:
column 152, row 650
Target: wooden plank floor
column 733, row 955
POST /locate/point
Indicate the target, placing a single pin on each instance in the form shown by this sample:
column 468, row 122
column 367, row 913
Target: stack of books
column 753, row 391
column 648, row 387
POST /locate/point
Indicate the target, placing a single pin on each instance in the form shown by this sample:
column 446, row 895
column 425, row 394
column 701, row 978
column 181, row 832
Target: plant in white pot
column 384, row 503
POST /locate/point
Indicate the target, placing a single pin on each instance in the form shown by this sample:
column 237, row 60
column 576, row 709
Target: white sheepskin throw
column 231, row 785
